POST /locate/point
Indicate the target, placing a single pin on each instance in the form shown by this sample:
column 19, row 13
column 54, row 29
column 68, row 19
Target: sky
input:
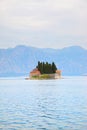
column 43, row 23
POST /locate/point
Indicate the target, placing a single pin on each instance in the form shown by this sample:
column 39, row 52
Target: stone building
column 35, row 72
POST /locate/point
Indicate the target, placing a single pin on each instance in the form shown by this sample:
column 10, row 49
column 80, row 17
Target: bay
column 43, row 104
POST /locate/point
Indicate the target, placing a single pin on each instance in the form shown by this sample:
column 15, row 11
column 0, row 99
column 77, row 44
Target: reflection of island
column 45, row 71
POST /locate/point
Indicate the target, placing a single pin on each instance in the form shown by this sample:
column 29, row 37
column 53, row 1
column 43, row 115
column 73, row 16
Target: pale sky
column 43, row 23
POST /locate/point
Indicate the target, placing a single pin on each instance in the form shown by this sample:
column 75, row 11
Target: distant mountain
column 22, row 59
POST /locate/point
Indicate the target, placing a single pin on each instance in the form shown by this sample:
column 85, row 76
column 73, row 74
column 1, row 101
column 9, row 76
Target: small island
column 45, row 70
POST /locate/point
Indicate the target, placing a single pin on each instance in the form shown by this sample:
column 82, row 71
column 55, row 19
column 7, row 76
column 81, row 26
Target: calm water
column 43, row 105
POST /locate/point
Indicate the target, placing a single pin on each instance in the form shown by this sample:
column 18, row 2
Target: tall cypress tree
column 54, row 68
column 43, row 67
column 46, row 68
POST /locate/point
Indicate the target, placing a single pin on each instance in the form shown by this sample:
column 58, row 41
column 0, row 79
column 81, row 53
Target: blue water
column 43, row 104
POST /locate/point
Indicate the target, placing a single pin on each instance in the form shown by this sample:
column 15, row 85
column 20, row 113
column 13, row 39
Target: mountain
column 22, row 59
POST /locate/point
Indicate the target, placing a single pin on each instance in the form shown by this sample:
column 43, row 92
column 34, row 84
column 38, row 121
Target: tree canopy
column 46, row 68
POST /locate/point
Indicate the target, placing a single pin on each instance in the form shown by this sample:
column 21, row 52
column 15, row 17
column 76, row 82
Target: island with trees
column 45, row 70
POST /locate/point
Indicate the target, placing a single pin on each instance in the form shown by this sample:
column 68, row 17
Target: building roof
column 35, row 71
column 58, row 72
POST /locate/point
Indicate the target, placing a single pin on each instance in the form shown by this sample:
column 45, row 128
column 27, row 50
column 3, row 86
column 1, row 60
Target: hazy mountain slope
column 22, row 59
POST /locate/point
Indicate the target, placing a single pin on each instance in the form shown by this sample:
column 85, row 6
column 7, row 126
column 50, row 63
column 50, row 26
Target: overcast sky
column 43, row 23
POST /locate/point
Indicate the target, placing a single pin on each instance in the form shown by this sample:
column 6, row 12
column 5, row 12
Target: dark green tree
column 46, row 68
column 54, row 68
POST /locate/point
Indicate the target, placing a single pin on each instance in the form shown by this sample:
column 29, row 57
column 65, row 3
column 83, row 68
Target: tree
column 54, row 68
column 46, row 68
column 43, row 67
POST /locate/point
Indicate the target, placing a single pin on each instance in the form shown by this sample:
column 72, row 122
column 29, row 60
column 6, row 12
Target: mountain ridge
column 22, row 59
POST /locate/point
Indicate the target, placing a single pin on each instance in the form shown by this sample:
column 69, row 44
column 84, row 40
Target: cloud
column 65, row 19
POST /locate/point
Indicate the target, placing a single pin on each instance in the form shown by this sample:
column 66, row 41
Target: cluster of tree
column 46, row 68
